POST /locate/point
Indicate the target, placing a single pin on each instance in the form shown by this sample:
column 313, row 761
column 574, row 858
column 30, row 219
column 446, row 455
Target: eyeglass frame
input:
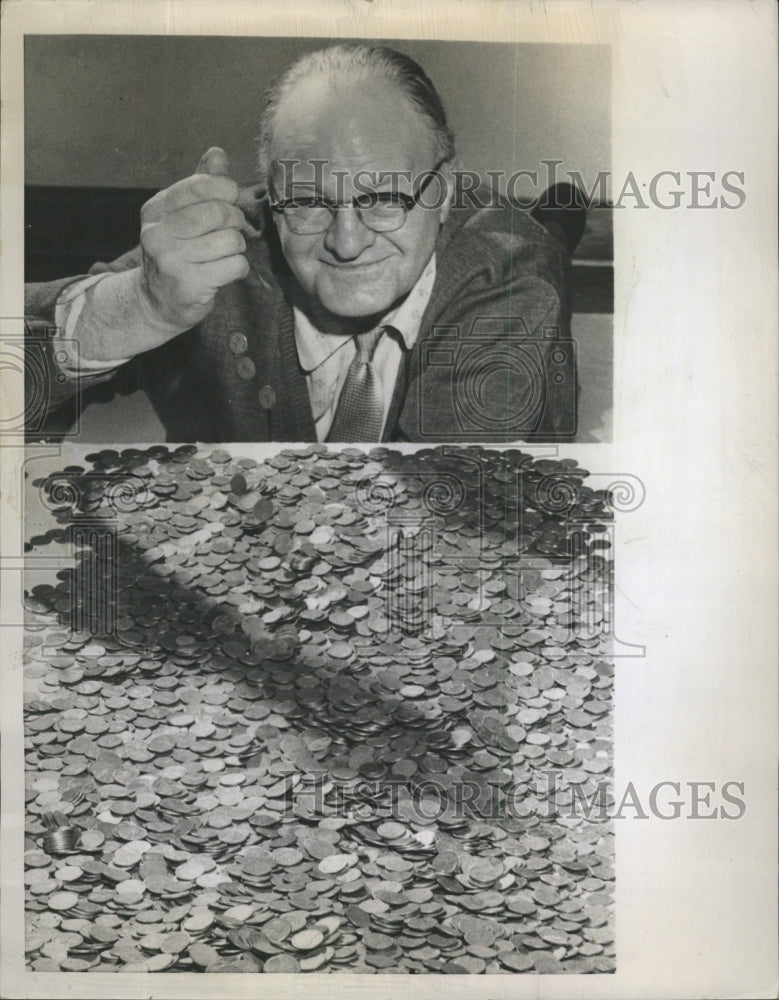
column 408, row 201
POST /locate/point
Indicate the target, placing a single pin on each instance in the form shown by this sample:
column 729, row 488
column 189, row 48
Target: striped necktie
column 359, row 414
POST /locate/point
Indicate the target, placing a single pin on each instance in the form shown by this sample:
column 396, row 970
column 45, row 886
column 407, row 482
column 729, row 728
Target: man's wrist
column 118, row 320
column 147, row 312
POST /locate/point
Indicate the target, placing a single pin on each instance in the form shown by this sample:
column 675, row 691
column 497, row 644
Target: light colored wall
column 137, row 111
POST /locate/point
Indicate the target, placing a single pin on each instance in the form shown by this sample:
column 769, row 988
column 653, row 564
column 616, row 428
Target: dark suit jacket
column 493, row 362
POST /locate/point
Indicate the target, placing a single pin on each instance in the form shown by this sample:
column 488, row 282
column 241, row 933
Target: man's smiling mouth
column 354, row 265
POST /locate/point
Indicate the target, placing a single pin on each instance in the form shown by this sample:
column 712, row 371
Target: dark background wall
column 137, row 111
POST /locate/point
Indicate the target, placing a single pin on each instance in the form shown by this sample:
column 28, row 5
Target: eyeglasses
column 381, row 211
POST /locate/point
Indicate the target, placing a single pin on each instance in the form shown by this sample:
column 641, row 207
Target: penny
column 281, row 963
column 62, row 900
column 307, row 940
column 516, row 962
column 203, row 955
column 313, row 962
column 378, row 942
column 69, row 873
column 277, row 929
column 335, row 863
column 391, row 830
column 287, row 856
column 263, row 510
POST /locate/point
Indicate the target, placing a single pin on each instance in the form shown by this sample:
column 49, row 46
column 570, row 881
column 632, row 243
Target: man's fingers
column 219, row 273
column 214, row 246
column 205, row 217
column 190, row 191
column 214, row 161
column 192, row 243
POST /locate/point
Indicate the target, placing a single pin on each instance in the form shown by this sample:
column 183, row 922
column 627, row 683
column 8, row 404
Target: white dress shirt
column 326, row 357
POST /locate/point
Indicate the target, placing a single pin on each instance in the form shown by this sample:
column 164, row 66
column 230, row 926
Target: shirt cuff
column 67, row 313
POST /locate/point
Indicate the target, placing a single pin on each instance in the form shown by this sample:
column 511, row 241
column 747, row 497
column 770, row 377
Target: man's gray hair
column 358, row 60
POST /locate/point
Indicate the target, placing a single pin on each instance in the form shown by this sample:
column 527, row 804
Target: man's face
column 350, row 270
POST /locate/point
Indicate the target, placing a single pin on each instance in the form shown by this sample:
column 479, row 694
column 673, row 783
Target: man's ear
column 251, row 201
column 446, row 170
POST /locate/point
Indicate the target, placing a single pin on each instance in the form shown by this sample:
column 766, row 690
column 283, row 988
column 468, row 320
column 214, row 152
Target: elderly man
column 348, row 297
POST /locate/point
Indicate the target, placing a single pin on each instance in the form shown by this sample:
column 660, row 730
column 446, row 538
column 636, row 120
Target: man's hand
column 192, row 243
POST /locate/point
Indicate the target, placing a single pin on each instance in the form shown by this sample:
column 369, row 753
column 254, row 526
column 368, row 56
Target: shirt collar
column 314, row 347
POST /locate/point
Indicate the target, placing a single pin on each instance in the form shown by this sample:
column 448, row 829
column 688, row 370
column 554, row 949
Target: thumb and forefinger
column 210, row 183
column 212, row 178
column 216, row 163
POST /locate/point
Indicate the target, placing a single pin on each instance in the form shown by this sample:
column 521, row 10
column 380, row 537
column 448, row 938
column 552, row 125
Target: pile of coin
column 334, row 711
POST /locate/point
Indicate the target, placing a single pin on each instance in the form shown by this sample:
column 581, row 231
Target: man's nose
column 347, row 237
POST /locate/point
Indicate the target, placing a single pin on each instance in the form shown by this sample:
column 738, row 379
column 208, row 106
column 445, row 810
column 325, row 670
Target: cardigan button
column 267, row 397
column 245, row 367
column 237, row 342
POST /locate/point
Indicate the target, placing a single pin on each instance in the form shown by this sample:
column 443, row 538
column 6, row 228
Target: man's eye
column 379, row 199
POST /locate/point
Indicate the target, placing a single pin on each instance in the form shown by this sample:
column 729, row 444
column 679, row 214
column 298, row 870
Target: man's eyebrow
column 382, row 178
column 301, row 189
column 364, row 182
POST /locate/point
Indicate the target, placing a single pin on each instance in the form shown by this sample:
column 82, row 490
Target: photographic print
column 341, row 599
column 386, row 574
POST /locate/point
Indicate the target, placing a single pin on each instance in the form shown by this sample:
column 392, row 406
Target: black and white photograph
column 470, row 282
column 386, row 574
column 330, row 710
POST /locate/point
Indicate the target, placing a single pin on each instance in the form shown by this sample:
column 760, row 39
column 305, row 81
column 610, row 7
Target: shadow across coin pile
column 335, row 711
